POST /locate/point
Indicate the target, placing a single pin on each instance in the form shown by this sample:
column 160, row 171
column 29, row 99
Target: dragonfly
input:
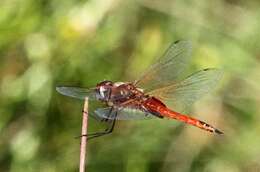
column 157, row 93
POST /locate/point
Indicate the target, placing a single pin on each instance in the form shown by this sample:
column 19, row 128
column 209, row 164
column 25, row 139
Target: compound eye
column 105, row 83
column 104, row 92
column 108, row 83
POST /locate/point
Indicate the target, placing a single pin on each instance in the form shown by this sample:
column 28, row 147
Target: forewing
column 181, row 95
column 123, row 114
column 76, row 92
column 167, row 68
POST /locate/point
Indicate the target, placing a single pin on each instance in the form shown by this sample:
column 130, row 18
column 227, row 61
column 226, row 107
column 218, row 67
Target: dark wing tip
column 206, row 69
column 176, row 42
column 214, row 72
column 185, row 42
column 212, row 69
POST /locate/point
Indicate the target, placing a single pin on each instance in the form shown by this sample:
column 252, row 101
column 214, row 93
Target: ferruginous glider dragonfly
column 157, row 93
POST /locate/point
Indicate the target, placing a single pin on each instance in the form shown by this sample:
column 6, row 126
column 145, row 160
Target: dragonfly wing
column 167, row 68
column 123, row 113
column 76, row 92
column 182, row 94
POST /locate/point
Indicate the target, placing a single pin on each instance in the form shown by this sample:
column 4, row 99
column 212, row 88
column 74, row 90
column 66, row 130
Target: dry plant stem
column 83, row 143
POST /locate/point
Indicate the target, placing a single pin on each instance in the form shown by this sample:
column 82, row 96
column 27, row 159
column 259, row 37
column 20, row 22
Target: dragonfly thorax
column 117, row 92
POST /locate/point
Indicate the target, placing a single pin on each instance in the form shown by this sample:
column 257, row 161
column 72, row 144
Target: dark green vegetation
column 48, row 43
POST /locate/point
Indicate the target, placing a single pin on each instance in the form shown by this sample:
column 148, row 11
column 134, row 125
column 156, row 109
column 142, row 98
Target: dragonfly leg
column 108, row 116
column 106, row 131
column 98, row 134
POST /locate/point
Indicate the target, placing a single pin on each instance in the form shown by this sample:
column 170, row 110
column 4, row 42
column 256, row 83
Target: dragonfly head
column 103, row 90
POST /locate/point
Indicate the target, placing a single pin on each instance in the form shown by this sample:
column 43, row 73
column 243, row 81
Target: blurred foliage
column 48, row 43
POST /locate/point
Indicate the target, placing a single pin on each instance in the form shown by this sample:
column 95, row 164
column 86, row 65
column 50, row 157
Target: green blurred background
column 48, row 43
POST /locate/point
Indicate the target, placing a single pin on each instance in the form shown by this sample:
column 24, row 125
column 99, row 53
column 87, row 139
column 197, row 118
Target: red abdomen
column 159, row 109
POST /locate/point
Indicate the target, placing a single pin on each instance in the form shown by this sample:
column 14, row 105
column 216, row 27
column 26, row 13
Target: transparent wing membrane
column 76, row 92
column 181, row 95
column 123, row 114
column 161, row 82
column 168, row 67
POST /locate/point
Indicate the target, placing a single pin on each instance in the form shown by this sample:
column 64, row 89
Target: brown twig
column 83, row 143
